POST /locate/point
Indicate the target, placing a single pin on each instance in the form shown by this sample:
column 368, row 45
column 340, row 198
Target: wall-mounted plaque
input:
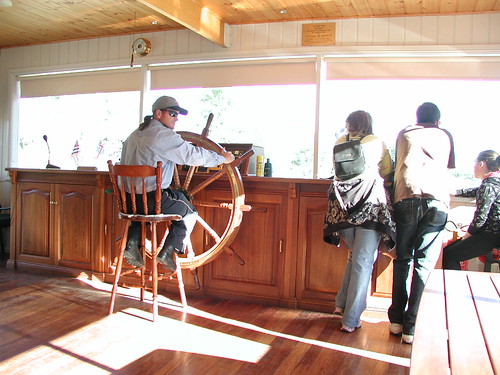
column 318, row 34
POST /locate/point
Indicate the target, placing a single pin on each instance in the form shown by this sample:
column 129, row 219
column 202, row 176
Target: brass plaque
column 318, row 34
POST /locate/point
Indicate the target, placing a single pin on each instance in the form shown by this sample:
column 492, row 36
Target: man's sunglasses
column 170, row 112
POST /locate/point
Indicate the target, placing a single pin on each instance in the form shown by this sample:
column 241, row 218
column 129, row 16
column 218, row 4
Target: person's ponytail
column 146, row 122
column 491, row 158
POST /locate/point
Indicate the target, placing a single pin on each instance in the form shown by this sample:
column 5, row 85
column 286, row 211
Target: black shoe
column 133, row 255
column 166, row 257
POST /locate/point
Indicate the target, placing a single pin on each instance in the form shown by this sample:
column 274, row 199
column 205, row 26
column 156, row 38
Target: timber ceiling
column 29, row 22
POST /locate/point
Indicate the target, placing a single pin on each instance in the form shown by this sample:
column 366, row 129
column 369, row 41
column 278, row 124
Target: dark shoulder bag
column 349, row 160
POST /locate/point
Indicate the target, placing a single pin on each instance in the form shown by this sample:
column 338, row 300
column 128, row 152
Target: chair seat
column 159, row 217
column 495, row 258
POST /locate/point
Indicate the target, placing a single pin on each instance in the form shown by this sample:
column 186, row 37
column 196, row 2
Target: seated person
column 156, row 140
column 483, row 234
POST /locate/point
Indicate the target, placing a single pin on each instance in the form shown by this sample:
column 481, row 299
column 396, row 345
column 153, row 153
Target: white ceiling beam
column 193, row 16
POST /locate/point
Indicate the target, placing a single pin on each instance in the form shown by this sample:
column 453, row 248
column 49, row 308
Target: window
column 98, row 123
column 279, row 118
column 468, row 111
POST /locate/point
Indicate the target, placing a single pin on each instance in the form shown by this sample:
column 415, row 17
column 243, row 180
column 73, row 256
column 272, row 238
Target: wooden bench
column 458, row 325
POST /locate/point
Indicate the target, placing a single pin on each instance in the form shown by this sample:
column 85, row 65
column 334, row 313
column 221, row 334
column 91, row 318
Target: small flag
column 100, row 148
column 75, row 152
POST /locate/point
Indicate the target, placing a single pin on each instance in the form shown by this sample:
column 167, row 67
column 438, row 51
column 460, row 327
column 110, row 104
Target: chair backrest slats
column 158, row 191
column 144, row 195
column 125, row 180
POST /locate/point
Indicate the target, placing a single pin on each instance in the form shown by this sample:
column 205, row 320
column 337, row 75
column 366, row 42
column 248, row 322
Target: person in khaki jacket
column 424, row 153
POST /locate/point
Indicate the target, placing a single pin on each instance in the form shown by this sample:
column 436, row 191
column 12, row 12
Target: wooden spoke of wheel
column 236, row 205
column 204, row 135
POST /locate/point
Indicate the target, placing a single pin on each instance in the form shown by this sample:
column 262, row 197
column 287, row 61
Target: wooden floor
column 57, row 325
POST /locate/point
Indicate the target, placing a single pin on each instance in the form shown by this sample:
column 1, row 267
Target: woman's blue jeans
column 419, row 240
column 363, row 246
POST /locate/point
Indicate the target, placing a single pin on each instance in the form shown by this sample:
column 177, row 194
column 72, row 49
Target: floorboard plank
column 57, row 325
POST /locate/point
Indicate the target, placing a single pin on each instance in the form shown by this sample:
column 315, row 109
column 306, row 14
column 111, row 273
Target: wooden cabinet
column 320, row 266
column 34, row 223
column 67, row 221
column 260, row 243
column 59, row 222
column 281, row 241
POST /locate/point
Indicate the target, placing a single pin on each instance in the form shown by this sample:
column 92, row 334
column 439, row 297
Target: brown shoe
column 166, row 257
column 133, row 255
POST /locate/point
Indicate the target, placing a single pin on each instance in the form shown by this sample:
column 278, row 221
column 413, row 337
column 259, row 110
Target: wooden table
column 458, row 325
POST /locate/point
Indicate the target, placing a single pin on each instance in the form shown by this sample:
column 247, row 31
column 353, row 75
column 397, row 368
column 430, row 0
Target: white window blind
column 233, row 74
column 81, row 83
column 413, row 67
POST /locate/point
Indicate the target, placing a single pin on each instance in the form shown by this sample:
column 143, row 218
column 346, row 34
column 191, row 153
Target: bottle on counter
column 268, row 169
column 260, row 166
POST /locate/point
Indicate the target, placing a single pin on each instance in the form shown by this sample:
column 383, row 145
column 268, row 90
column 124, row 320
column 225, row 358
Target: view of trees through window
column 279, row 118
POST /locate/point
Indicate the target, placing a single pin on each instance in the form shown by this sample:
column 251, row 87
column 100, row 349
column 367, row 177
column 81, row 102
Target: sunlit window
column 81, row 130
column 279, row 118
column 468, row 111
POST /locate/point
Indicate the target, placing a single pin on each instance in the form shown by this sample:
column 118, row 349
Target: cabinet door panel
column 76, row 225
column 33, row 221
column 257, row 243
column 321, row 265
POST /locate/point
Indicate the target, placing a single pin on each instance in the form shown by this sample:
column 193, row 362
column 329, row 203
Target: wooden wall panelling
column 364, row 32
column 463, row 23
column 413, row 31
column 395, row 31
column 429, row 30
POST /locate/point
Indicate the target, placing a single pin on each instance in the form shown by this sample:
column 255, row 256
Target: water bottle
column 268, row 169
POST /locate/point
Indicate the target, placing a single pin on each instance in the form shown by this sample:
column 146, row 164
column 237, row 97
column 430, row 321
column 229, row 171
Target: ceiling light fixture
column 5, row 3
column 283, row 11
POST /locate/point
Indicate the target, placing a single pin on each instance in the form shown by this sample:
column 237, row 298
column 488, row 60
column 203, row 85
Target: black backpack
column 349, row 160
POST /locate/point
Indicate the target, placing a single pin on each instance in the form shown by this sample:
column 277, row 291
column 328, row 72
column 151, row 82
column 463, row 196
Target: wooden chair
column 4, row 223
column 490, row 258
column 122, row 178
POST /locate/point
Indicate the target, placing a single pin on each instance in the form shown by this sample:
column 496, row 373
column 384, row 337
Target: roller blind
column 81, row 83
column 414, row 67
column 233, row 74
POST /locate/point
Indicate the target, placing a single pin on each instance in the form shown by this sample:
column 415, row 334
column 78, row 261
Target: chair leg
column 488, row 261
column 197, row 284
column 180, row 281
column 118, row 269
column 1, row 244
column 143, row 253
column 154, row 269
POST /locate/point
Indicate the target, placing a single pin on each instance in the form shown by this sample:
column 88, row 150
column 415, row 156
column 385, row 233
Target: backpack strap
column 348, row 139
